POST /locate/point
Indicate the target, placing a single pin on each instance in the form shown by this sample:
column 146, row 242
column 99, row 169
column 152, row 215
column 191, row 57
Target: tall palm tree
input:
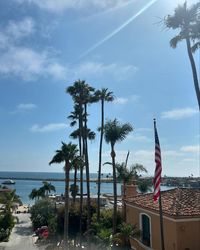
column 66, row 154
column 87, row 99
column 82, row 94
column 104, row 96
column 77, row 116
column 186, row 20
column 115, row 132
column 76, row 92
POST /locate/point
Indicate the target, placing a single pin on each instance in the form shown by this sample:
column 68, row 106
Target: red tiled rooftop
column 178, row 202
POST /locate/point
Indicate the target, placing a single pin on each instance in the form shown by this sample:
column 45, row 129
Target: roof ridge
column 176, row 202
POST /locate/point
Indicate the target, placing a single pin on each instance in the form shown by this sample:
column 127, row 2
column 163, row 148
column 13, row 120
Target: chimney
column 129, row 190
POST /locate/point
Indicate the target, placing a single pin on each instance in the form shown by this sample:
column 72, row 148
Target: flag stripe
column 158, row 169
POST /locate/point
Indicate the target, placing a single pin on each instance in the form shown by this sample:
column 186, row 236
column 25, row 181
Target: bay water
column 24, row 187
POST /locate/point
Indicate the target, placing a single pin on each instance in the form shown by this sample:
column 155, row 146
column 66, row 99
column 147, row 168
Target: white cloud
column 62, row 5
column 120, row 100
column 16, row 30
column 144, row 153
column 4, row 40
column 29, row 64
column 48, row 127
column 191, row 149
column 21, row 28
column 125, row 100
column 25, row 62
column 149, row 154
column 171, row 153
column 138, row 138
column 176, row 114
column 57, row 70
column 98, row 69
column 22, row 62
column 24, row 107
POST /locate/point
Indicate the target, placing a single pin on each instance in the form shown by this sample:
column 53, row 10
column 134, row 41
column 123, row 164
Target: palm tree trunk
column 123, row 202
column 81, row 147
column 100, row 159
column 80, row 154
column 75, row 172
column 66, row 219
column 126, row 162
column 75, row 180
column 114, row 190
column 123, row 195
column 81, row 197
column 194, row 71
column 87, row 173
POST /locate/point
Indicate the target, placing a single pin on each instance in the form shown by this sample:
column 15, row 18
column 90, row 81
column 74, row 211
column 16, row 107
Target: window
column 146, row 229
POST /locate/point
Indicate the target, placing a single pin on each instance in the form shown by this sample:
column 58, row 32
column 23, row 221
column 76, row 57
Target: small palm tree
column 126, row 231
column 34, row 194
column 126, row 175
column 144, row 186
column 66, row 154
column 47, row 188
column 9, row 198
column 115, row 132
column 186, row 20
column 104, row 96
column 137, row 168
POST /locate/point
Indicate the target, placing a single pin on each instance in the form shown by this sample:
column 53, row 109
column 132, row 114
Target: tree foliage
column 187, row 21
column 43, row 214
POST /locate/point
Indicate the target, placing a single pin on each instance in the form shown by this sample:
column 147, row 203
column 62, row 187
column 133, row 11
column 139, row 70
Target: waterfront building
column 181, row 218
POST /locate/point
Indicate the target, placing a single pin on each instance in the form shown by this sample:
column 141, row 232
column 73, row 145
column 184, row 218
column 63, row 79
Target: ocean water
column 24, row 187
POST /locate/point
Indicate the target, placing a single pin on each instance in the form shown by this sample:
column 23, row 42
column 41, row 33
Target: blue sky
column 120, row 45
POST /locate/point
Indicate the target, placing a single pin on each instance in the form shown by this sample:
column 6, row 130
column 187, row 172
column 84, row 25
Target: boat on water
column 8, row 182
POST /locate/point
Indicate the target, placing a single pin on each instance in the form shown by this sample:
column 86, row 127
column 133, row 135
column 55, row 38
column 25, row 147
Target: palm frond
column 138, row 167
column 114, row 131
column 175, row 40
column 195, row 47
column 58, row 158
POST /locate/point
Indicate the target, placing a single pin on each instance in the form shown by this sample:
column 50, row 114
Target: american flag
column 158, row 170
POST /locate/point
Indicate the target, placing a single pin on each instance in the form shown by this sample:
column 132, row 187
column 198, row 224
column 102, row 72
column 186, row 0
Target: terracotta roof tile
column 181, row 202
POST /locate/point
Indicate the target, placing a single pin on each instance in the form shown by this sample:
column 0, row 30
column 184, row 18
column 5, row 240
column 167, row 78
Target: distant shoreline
column 105, row 180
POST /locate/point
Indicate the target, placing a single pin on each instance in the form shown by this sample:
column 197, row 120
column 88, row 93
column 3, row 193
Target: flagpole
column 159, row 191
column 161, row 223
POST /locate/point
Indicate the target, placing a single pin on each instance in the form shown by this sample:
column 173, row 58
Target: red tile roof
column 178, row 202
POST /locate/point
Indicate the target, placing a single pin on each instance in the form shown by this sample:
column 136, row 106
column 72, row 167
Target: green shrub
column 43, row 214
column 6, row 225
column 106, row 220
column 74, row 218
